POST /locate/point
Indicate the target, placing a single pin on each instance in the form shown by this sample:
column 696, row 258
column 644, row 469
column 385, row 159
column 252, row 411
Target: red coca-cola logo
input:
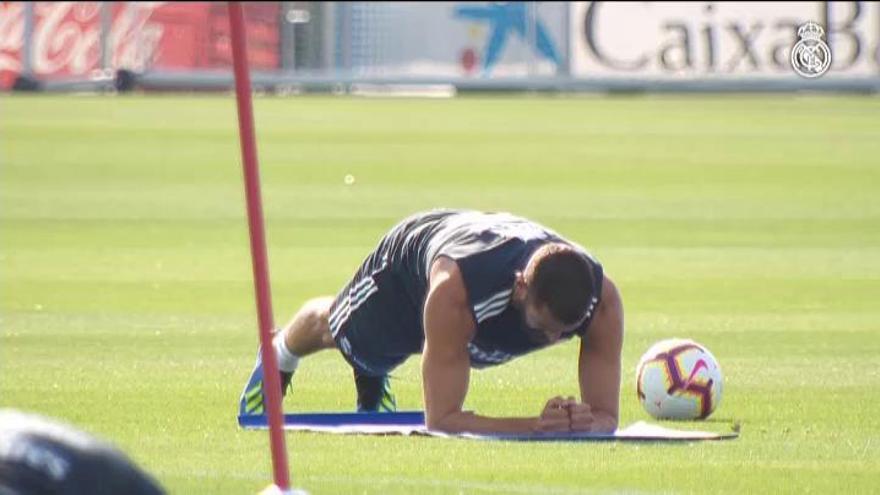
column 67, row 36
column 11, row 35
column 135, row 41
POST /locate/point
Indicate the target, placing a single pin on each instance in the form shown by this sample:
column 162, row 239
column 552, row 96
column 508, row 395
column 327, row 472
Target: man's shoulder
column 444, row 264
column 445, row 275
column 447, row 290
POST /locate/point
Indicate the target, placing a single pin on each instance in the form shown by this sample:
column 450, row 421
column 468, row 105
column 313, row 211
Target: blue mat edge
column 403, row 418
column 417, row 418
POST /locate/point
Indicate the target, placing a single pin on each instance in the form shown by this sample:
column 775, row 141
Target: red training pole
column 271, row 378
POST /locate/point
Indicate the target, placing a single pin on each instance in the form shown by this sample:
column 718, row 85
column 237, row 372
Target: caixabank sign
column 724, row 40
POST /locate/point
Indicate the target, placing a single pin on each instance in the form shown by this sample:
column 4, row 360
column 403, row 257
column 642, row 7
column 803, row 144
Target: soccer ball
column 679, row 379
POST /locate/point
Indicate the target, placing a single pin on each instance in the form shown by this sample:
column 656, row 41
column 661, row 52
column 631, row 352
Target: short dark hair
column 44, row 455
column 562, row 279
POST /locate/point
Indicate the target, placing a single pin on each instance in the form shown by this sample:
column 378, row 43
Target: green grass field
column 751, row 224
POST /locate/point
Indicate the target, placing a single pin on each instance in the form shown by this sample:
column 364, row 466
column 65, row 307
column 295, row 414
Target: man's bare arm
column 449, row 327
column 599, row 361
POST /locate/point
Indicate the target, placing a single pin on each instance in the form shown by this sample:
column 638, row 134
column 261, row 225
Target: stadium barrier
column 292, row 83
column 389, row 48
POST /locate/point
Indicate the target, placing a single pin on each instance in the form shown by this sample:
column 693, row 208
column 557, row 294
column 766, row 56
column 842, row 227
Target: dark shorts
column 376, row 318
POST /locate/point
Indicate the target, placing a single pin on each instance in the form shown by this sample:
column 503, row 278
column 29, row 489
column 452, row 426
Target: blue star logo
column 504, row 18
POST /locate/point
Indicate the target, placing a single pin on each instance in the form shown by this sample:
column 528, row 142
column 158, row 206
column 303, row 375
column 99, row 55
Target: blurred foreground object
column 41, row 456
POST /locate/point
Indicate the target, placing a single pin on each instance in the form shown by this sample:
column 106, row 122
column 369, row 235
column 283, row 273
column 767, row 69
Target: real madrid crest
column 810, row 57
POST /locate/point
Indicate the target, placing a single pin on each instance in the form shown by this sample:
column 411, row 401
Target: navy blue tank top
column 489, row 248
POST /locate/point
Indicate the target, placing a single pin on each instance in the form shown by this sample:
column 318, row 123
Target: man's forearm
column 461, row 422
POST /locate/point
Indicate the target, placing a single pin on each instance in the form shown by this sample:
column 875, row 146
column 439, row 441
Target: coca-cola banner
column 66, row 37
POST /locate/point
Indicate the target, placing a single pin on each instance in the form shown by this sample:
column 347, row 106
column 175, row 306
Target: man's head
column 39, row 455
column 555, row 291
